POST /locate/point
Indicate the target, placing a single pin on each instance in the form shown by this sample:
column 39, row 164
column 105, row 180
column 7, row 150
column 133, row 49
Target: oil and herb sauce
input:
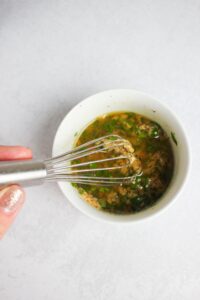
column 153, row 151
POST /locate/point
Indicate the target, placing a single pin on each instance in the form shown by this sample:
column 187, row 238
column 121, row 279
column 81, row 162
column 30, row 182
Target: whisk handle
column 31, row 172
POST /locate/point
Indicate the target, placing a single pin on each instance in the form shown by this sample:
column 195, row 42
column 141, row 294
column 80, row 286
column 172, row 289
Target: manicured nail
column 10, row 199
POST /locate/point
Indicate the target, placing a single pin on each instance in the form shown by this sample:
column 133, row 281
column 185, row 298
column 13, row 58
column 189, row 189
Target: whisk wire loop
column 65, row 167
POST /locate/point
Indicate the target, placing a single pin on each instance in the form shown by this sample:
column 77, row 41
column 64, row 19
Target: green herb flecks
column 109, row 126
column 102, row 202
column 174, row 138
column 93, row 165
column 104, row 189
column 113, row 138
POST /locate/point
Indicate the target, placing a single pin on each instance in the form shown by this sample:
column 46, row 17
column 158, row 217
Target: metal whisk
column 65, row 168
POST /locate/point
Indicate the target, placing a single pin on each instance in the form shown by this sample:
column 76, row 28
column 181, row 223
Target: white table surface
column 52, row 55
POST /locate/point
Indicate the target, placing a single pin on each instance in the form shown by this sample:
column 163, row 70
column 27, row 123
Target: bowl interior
column 123, row 100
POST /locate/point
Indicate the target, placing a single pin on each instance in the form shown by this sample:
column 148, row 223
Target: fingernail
column 11, row 198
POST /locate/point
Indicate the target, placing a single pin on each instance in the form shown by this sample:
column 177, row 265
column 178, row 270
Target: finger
column 11, row 201
column 14, row 153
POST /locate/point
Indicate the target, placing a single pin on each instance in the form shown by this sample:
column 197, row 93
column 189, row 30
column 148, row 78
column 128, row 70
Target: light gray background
column 52, row 55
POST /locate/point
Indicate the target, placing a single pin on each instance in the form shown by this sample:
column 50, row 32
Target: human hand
column 11, row 197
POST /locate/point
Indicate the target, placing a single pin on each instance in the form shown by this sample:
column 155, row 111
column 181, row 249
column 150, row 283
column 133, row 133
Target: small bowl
column 124, row 100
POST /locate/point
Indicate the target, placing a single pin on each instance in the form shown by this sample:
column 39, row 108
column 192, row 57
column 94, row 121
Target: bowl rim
column 121, row 219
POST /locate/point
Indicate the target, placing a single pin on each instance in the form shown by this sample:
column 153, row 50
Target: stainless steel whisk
column 60, row 168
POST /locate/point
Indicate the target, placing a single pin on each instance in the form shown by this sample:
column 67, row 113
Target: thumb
column 11, row 201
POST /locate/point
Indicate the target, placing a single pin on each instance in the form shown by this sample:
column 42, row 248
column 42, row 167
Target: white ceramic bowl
column 123, row 100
